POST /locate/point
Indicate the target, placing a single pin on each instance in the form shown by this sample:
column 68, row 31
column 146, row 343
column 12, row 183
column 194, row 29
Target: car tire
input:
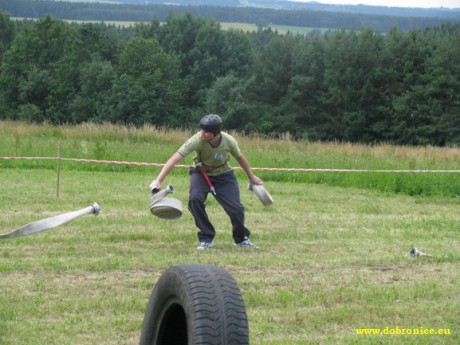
column 194, row 304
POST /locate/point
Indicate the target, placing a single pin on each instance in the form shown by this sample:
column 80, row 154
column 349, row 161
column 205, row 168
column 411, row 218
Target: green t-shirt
column 216, row 158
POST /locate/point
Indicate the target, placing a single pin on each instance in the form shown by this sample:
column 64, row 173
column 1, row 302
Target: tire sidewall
column 168, row 291
column 195, row 304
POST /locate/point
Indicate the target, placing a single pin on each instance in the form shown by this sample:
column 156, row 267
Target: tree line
column 356, row 86
column 228, row 11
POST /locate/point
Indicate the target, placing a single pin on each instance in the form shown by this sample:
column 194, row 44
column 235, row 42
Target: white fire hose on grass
column 52, row 222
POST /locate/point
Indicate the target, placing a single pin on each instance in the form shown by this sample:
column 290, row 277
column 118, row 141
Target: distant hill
column 435, row 12
column 259, row 12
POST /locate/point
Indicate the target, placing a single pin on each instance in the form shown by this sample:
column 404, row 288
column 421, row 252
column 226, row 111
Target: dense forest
column 262, row 17
column 347, row 85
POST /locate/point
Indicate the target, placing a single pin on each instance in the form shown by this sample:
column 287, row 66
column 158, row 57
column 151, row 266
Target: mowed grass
column 331, row 259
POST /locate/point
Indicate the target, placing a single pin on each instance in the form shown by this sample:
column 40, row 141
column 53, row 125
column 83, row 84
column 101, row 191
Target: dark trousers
column 228, row 196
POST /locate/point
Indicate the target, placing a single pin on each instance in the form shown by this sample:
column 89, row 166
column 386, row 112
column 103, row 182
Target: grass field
column 284, row 29
column 332, row 258
column 248, row 27
column 152, row 145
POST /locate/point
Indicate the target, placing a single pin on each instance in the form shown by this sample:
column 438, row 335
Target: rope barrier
column 236, row 168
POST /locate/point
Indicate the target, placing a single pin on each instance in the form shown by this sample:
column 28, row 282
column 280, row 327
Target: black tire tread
column 217, row 313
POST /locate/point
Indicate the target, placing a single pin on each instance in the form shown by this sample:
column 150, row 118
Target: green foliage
column 7, row 33
column 149, row 89
column 228, row 97
column 350, row 86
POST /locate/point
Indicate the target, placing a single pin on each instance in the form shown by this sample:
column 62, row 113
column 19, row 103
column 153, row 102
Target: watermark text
column 403, row 331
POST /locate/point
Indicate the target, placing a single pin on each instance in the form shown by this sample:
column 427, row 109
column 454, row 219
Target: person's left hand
column 255, row 180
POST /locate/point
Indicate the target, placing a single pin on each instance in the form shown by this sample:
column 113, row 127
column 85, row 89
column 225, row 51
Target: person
column 213, row 149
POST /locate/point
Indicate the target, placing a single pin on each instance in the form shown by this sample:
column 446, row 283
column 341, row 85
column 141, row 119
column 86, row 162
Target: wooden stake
column 58, row 168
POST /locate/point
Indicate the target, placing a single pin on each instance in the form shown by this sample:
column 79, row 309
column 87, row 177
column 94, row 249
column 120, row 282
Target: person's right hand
column 155, row 186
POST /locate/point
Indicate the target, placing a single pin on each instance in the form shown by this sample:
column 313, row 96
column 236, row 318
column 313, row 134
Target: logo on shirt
column 218, row 156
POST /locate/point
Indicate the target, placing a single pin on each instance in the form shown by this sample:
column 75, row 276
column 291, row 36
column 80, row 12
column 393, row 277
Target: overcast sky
column 395, row 3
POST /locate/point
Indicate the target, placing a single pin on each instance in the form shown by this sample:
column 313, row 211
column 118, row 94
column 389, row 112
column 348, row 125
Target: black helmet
column 211, row 123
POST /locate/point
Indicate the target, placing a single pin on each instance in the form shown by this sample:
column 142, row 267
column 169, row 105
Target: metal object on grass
column 415, row 252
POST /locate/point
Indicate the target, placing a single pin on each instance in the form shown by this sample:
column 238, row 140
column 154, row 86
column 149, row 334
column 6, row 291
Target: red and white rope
column 236, row 168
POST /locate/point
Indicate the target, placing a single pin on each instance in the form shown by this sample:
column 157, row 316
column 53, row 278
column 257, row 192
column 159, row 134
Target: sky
column 394, row 3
